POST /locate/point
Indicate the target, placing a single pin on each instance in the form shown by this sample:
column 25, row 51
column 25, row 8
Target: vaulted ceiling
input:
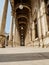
column 22, row 15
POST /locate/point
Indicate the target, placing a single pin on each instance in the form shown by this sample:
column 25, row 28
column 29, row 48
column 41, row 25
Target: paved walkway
column 24, row 56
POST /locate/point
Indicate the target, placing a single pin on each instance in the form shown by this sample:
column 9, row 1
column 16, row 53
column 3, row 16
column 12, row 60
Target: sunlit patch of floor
column 36, row 62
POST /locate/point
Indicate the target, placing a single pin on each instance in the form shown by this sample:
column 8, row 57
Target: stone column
column 17, row 37
column 43, row 18
column 3, row 22
column 14, row 32
column 39, row 28
column 43, row 22
column 33, row 32
column 11, row 29
column 30, row 27
column 11, row 33
column 29, row 32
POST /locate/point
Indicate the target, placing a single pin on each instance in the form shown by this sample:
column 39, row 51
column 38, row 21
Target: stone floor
column 24, row 56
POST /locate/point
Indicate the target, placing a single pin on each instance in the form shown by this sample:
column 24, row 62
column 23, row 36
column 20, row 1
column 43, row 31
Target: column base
column 40, row 43
column 13, row 44
column 2, row 41
column 29, row 44
column 10, row 43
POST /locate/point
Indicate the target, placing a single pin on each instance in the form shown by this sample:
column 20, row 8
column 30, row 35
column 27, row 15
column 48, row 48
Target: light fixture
column 22, row 42
column 21, row 28
column 22, row 37
column 21, row 34
column 21, row 6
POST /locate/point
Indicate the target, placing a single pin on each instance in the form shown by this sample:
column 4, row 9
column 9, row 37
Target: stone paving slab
column 22, row 50
column 24, row 56
column 38, row 62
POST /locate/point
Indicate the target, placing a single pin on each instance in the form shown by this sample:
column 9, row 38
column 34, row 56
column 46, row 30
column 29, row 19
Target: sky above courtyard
column 8, row 19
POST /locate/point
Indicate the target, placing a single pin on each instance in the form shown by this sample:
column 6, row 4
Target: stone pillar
column 30, row 27
column 11, row 33
column 14, row 32
column 43, row 18
column 17, row 37
column 33, row 32
column 43, row 22
column 3, row 22
column 39, row 28
column 29, row 32
column 39, row 24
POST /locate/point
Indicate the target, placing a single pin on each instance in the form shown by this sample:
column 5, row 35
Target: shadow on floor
column 23, row 57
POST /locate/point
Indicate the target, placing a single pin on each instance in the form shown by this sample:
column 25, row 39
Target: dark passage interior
column 22, row 14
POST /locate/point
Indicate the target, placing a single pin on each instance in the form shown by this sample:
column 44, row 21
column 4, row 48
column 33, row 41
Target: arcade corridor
column 29, row 25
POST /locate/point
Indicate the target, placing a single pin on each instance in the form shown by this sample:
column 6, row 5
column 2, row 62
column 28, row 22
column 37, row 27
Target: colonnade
column 14, row 35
